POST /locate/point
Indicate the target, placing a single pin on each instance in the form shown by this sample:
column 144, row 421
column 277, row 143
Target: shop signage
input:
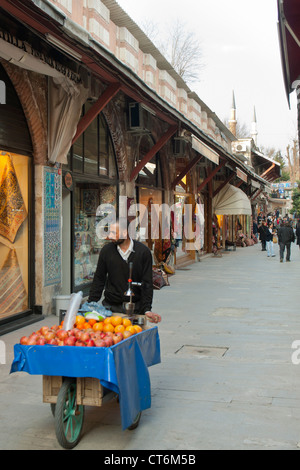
column 28, row 49
column 204, row 150
column 68, row 180
column 240, row 174
column 255, row 184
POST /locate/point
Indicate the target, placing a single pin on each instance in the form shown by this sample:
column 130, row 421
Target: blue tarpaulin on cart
column 122, row 368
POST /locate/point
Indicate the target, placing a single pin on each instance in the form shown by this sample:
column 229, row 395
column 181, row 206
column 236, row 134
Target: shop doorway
column 183, row 255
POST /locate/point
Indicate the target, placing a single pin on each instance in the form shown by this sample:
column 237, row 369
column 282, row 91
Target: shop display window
column 87, row 216
column 14, row 233
column 95, row 174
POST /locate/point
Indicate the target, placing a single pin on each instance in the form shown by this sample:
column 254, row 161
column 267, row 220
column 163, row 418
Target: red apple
column 78, row 334
column 44, row 330
column 84, row 336
column 100, row 343
column 109, row 341
column 79, row 343
column 117, row 339
column 90, row 343
column 119, row 334
column 62, row 335
column 24, row 340
column 31, row 342
column 53, row 341
column 49, row 336
column 70, row 341
column 41, row 341
column 73, row 332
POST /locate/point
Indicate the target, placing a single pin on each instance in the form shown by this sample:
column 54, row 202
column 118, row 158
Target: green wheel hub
column 68, row 415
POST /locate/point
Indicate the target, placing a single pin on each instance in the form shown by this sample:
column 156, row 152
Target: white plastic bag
column 72, row 311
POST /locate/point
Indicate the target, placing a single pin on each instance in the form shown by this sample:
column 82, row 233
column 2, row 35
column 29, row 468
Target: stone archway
column 31, row 89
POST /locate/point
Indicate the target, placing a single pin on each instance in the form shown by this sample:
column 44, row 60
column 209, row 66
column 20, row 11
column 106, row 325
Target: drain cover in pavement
column 202, row 351
column 230, row 312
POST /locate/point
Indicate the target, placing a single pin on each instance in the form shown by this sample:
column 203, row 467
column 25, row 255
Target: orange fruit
column 137, row 328
column 126, row 322
column 80, row 326
column 98, row 326
column 108, row 327
column 131, row 329
column 92, row 322
column 116, row 320
column 86, row 325
column 107, row 320
column 126, row 334
column 119, row 329
column 79, row 319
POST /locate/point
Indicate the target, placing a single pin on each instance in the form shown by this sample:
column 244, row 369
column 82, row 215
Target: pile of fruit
column 90, row 333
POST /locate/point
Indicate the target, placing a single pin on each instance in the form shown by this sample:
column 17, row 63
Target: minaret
column 254, row 128
column 232, row 120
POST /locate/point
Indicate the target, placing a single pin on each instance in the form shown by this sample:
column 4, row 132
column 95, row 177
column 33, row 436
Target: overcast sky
column 241, row 52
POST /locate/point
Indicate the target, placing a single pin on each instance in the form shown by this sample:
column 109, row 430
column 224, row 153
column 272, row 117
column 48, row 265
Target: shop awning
column 231, row 201
column 289, row 37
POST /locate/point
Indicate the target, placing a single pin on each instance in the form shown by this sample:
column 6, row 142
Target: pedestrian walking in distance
column 298, row 233
column 269, row 240
column 263, row 229
column 286, row 237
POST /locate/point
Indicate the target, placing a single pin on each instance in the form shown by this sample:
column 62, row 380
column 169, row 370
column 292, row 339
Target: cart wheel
column 136, row 422
column 68, row 415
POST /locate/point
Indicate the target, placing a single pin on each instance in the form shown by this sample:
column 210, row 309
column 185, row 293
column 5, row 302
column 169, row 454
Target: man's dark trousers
column 288, row 252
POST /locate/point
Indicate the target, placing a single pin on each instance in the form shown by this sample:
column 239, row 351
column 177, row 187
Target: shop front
column 232, row 214
column 150, row 197
column 184, row 211
column 16, row 198
column 90, row 194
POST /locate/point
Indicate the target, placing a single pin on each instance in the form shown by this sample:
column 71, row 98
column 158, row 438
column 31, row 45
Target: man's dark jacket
column 285, row 234
column 112, row 275
column 263, row 232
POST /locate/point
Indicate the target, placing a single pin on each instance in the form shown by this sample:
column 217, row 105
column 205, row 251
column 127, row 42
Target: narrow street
column 226, row 380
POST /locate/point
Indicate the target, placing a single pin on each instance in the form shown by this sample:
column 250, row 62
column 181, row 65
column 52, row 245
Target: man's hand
column 153, row 317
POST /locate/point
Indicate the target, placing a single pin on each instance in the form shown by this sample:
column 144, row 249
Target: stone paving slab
column 242, row 304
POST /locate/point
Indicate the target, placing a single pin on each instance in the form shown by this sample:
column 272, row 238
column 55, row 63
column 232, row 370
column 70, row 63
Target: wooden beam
column 97, row 107
column 256, row 195
column 224, row 184
column 268, row 170
column 211, row 175
column 156, row 148
column 186, row 170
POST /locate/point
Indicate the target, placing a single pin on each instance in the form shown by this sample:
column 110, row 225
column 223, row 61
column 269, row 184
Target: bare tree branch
column 180, row 46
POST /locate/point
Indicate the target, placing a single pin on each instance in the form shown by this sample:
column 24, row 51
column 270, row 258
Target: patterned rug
column 13, row 296
column 12, row 207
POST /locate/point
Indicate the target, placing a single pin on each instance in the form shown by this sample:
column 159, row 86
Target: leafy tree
column 296, row 201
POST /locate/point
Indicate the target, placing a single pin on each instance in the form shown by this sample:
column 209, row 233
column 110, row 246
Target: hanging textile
column 13, row 296
column 12, row 207
column 65, row 104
